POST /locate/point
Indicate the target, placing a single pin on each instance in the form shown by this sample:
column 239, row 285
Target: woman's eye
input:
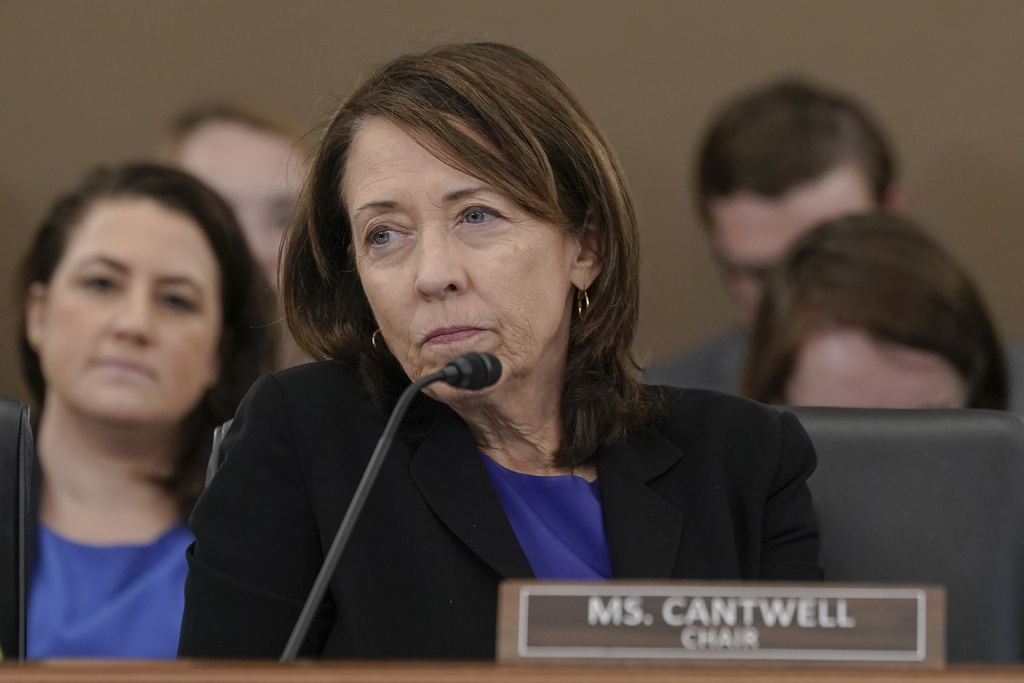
column 477, row 215
column 281, row 214
column 380, row 237
column 280, row 222
column 100, row 284
column 178, row 302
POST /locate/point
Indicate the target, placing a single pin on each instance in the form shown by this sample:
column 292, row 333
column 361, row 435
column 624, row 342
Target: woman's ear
column 35, row 314
column 590, row 259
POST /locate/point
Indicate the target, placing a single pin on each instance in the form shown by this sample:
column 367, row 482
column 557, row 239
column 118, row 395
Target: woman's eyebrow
column 164, row 279
column 448, row 197
column 175, row 279
column 100, row 259
column 378, row 204
column 456, row 195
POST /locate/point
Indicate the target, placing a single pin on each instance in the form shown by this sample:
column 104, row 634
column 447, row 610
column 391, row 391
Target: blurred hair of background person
column 258, row 164
column 868, row 311
column 775, row 162
column 144, row 325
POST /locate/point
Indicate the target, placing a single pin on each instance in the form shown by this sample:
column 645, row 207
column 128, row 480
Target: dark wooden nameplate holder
column 721, row 622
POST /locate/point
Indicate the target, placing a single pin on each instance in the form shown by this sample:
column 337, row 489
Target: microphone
column 474, row 370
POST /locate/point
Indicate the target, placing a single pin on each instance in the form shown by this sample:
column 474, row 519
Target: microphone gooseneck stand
column 470, row 371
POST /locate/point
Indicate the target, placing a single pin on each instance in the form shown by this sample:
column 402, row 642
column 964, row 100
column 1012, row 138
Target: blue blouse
column 557, row 520
column 107, row 601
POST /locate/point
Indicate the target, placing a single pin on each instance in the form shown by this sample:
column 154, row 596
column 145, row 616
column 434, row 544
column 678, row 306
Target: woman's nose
column 134, row 315
column 440, row 268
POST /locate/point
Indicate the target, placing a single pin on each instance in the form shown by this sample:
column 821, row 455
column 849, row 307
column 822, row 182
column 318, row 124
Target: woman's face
column 848, row 368
column 450, row 264
column 127, row 330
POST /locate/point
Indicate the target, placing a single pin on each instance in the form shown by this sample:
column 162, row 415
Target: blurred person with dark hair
column 774, row 163
column 868, row 311
column 257, row 163
column 462, row 200
column 143, row 327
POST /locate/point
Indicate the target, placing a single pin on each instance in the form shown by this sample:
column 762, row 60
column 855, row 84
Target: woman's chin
column 454, row 396
column 128, row 408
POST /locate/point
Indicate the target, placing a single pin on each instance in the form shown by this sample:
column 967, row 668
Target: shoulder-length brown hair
column 499, row 115
column 882, row 274
column 245, row 349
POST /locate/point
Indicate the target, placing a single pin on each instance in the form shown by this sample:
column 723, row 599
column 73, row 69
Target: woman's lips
column 451, row 335
column 124, row 367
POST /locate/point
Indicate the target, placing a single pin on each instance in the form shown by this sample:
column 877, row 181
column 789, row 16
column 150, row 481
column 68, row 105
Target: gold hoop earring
column 373, row 338
column 582, row 303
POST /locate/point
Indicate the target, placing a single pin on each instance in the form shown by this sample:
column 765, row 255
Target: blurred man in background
column 775, row 163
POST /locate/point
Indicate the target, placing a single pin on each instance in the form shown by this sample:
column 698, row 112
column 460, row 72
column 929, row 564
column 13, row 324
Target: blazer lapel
column 644, row 530
column 452, row 479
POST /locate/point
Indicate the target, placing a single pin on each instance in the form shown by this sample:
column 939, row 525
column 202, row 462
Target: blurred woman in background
column 143, row 328
column 867, row 311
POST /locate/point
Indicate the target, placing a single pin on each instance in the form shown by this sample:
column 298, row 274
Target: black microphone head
column 473, row 370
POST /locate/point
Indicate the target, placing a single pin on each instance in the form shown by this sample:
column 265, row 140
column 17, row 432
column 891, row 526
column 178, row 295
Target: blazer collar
column 644, row 530
column 447, row 469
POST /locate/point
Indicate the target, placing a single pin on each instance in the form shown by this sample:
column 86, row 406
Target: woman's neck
column 101, row 481
column 521, row 430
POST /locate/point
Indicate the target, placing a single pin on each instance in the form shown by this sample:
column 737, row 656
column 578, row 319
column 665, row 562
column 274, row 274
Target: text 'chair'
column 928, row 497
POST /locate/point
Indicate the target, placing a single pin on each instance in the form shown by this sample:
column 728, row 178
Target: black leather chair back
column 17, row 460
column 928, row 497
column 216, row 455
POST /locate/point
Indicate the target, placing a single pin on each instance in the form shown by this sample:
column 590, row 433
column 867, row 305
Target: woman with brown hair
column 867, row 311
column 462, row 200
column 143, row 328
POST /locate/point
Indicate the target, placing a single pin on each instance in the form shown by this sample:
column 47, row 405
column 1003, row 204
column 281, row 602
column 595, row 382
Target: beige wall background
column 84, row 82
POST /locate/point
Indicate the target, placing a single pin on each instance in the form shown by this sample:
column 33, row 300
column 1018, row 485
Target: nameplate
column 620, row 621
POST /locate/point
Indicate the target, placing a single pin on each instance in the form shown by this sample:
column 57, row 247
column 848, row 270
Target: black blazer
column 717, row 492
